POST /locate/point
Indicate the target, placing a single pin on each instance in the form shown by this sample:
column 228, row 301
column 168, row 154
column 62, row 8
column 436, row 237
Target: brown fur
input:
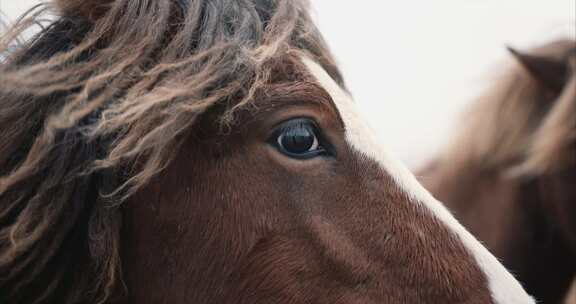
column 509, row 174
column 135, row 167
column 307, row 255
column 112, row 98
column 307, row 245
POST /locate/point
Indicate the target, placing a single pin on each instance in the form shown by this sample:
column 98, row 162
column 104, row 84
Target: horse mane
column 520, row 127
column 98, row 103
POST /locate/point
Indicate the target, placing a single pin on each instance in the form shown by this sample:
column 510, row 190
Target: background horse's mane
column 520, row 127
column 98, row 103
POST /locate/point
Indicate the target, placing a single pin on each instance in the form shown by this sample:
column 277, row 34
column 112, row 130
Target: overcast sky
column 413, row 65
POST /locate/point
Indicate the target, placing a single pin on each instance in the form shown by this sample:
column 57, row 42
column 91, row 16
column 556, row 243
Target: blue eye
column 298, row 138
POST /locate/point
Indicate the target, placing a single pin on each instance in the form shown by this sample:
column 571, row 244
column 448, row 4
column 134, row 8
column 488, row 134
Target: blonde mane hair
column 98, row 103
column 520, row 127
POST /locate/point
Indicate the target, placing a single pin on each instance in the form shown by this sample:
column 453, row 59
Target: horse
column 509, row 174
column 207, row 151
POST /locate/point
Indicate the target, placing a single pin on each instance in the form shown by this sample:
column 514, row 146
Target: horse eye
column 298, row 138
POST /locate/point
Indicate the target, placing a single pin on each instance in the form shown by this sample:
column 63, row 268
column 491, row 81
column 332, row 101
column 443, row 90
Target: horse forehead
column 503, row 286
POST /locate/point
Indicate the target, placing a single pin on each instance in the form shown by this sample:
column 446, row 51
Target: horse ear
column 549, row 71
column 89, row 9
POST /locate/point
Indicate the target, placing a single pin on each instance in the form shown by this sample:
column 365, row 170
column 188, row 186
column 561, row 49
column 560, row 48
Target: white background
column 413, row 65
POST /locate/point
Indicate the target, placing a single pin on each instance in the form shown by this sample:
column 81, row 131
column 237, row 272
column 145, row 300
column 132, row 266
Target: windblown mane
column 98, row 103
column 521, row 127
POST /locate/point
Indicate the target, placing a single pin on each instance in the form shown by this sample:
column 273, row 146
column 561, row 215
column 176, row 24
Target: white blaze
column 504, row 287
